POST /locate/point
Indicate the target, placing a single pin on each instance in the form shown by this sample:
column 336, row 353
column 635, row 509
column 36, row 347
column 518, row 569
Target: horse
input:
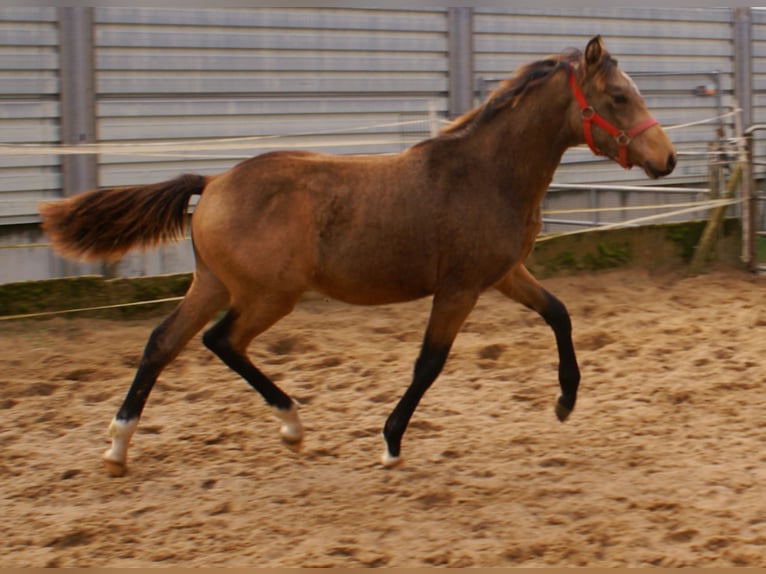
column 448, row 218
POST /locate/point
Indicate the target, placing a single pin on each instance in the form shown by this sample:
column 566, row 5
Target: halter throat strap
column 590, row 116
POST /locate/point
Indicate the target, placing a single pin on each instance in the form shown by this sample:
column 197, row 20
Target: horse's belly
column 365, row 284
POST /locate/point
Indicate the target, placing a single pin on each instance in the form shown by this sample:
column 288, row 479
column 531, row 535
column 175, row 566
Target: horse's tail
column 106, row 223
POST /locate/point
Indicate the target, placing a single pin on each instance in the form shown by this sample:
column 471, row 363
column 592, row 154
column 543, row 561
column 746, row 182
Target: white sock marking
column 292, row 429
column 121, row 433
column 388, row 459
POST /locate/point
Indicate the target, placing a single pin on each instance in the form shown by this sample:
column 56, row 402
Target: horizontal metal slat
column 21, row 83
column 29, row 58
column 29, row 131
column 32, row 160
column 218, row 60
column 347, row 19
column 22, row 184
column 28, row 33
column 602, row 12
column 267, row 39
column 19, row 109
column 758, row 48
column 185, row 105
column 262, row 82
column 122, row 170
column 503, row 64
column 28, row 14
column 115, row 129
column 619, row 47
column 611, row 29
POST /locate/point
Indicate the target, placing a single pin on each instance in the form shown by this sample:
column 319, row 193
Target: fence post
column 79, row 172
column 743, row 57
column 78, row 102
column 460, row 50
column 715, row 222
column 749, row 207
column 743, row 86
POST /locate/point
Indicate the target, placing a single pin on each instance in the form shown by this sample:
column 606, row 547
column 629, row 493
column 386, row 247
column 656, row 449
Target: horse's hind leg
column 520, row 286
column 229, row 339
column 205, row 297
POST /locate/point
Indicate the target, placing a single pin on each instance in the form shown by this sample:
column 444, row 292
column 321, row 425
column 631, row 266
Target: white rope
column 83, row 309
column 697, row 204
column 222, row 144
column 166, row 148
column 701, row 122
column 151, row 148
column 645, row 219
column 610, row 187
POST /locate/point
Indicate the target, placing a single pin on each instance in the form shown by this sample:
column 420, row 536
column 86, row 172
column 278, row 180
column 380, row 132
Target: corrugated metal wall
column 758, row 62
column 284, row 77
column 758, row 19
column 312, row 77
column 759, row 65
column 190, row 74
column 29, row 109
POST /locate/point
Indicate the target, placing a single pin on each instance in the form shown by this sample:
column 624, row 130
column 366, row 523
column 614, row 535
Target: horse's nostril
column 671, row 162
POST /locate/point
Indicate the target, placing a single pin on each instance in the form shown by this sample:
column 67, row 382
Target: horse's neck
column 524, row 144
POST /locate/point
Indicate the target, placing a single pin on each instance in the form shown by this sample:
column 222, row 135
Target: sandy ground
column 662, row 463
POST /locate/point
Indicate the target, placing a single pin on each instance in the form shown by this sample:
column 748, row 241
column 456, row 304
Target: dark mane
column 510, row 91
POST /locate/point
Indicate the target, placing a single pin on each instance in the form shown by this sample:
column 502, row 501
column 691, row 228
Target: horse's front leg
column 520, row 286
column 448, row 312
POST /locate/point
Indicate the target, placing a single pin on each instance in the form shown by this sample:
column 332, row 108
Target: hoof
column 115, row 468
column 115, row 458
column 290, row 435
column 562, row 412
column 391, row 461
column 295, row 445
column 291, row 430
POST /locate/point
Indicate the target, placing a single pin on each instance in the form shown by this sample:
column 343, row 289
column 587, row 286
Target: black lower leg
column 557, row 316
column 427, row 368
column 152, row 362
column 216, row 339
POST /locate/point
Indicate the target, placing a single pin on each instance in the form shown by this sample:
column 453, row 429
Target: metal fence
column 154, row 92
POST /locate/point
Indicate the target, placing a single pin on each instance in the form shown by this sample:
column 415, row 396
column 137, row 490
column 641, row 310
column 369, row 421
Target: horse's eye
column 619, row 98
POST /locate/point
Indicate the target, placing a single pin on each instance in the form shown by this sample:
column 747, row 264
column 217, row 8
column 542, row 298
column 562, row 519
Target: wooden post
column 713, row 227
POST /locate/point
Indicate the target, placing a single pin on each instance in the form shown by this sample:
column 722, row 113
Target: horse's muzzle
column 655, row 172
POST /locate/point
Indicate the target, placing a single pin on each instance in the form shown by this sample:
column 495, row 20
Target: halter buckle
column 623, row 139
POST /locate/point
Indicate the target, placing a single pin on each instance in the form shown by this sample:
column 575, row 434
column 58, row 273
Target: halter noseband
column 590, row 116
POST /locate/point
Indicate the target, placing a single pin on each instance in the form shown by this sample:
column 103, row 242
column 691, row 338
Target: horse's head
column 613, row 117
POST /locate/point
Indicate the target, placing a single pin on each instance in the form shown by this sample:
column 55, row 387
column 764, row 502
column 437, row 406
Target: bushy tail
column 106, row 223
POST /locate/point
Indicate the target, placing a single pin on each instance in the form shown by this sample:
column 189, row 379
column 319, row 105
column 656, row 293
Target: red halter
column 589, row 116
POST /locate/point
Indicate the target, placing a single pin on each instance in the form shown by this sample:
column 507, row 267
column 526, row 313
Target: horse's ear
column 594, row 51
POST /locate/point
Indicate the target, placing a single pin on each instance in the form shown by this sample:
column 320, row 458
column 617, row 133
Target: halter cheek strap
column 590, row 116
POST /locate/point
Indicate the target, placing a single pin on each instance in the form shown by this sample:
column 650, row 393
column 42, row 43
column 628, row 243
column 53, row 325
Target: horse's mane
column 512, row 90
